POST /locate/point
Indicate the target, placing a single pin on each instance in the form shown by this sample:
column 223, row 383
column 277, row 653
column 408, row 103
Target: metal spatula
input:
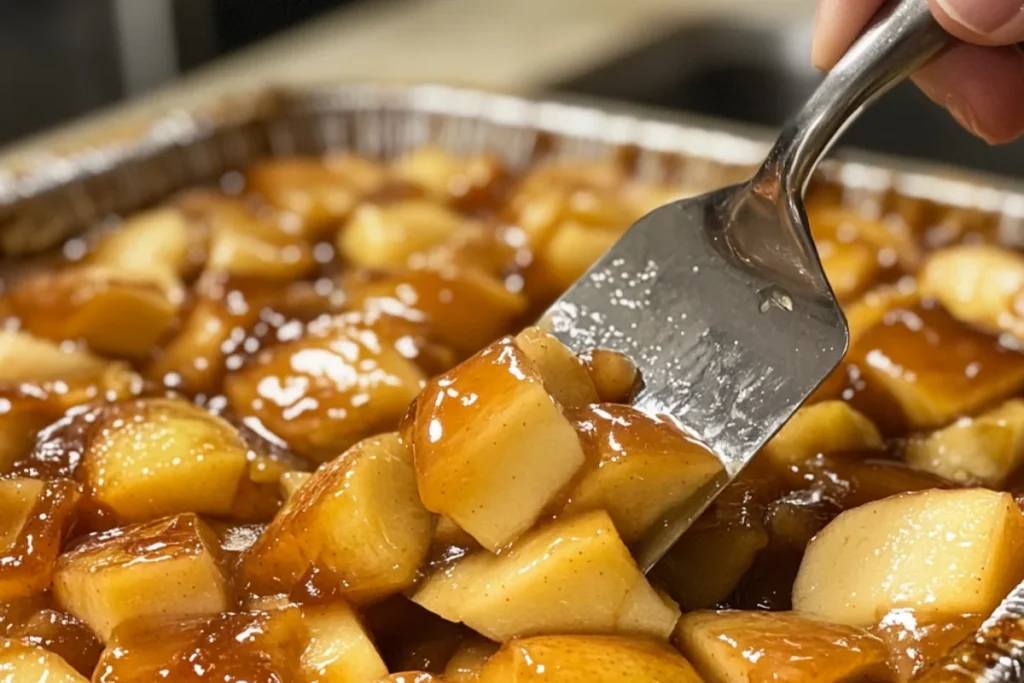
column 721, row 300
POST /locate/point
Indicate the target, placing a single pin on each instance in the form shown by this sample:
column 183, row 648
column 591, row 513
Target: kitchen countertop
column 506, row 45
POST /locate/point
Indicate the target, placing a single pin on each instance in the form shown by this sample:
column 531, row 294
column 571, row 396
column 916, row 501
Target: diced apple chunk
column 155, row 457
column 492, row 447
column 167, row 567
column 929, row 369
column 35, row 517
column 409, row 677
column 587, row 659
column 468, row 183
column 232, row 646
column 466, row 665
column 871, row 309
column 736, row 647
column 318, row 193
column 116, row 312
column 564, row 375
column 707, row 563
column 160, row 240
column 573, row 248
column 291, row 482
column 916, row 643
column 979, row 284
column 616, row 377
column 27, row 358
column 574, row 575
column 952, row 552
column 985, row 450
column 379, row 236
column 639, row 468
column 466, row 309
column 20, row 661
column 358, row 521
column 326, row 390
column 826, row 427
column 38, row 620
column 339, row 650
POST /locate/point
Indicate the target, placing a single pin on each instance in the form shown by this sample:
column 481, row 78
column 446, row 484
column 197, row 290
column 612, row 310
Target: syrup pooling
column 278, row 469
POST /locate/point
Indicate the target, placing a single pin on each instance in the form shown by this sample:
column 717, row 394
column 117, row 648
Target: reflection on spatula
column 721, row 300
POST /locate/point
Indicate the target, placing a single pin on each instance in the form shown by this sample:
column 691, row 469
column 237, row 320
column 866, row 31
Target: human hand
column 980, row 80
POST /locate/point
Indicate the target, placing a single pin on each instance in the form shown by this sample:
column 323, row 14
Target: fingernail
column 983, row 17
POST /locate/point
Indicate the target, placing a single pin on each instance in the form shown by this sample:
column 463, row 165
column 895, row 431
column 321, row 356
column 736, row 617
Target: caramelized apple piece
column 244, row 646
column 850, row 267
column 985, row 450
column 871, row 309
column 291, row 482
column 932, row 368
column 409, row 677
column 42, row 379
column 154, row 457
column 573, row 248
column 582, row 194
column 21, row 420
column 794, row 519
column 38, row 621
column 587, row 659
column 952, row 552
column 358, row 522
column 466, row 665
column 339, row 650
column 574, row 575
column 156, row 241
column 466, row 182
column 466, row 309
column 979, row 284
column 492, row 447
column 24, row 358
column 242, row 253
column 167, row 567
column 20, row 661
column 856, row 250
column 735, row 647
column 378, row 236
column 826, row 427
column 916, row 643
column 564, row 375
column 706, row 564
column 116, row 312
column 35, row 517
column 616, row 378
column 319, row 193
column 326, row 390
column 639, row 468
column 245, row 243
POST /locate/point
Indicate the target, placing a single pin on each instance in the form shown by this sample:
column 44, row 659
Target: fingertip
column 837, row 23
column 983, row 88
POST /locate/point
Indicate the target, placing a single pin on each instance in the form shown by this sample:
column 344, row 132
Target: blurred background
column 103, row 63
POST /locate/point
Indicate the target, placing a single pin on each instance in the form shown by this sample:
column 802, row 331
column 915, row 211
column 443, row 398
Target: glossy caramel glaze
column 231, row 422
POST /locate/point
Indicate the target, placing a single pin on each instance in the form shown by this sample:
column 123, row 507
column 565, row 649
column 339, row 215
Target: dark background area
column 62, row 57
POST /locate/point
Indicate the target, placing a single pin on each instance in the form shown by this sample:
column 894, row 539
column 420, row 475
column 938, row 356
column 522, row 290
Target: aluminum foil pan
column 42, row 206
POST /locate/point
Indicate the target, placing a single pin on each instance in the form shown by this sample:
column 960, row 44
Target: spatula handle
column 902, row 37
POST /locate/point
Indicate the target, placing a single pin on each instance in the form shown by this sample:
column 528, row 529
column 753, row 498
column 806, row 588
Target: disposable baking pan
column 45, row 204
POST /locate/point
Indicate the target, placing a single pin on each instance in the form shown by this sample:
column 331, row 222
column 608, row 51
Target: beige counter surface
column 507, row 45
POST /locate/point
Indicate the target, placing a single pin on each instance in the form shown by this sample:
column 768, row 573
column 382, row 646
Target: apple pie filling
column 299, row 429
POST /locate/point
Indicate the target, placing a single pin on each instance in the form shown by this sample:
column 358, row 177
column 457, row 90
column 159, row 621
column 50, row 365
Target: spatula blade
column 730, row 339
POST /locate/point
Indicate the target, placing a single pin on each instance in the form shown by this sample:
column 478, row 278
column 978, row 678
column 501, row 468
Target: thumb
column 983, row 22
